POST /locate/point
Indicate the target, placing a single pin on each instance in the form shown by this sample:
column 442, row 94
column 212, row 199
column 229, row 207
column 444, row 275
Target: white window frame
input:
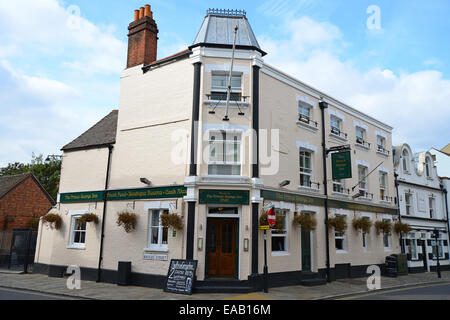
column 408, row 204
column 301, row 115
column 364, row 134
column 432, row 207
column 387, row 236
column 361, row 180
column 381, row 147
column 383, row 188
column 405, row 161
column 414, row 253
column 343, row 237
column 365, row 240
column 285, row 234
column 73, row 225
column 302, row 169
column 239, row 161
column 338, row 122
column 440, row 248
column 225, row 75
column 158, row 246
column 340, row 184
column 428, row 167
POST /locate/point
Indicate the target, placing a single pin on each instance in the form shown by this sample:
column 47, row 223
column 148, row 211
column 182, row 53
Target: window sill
column 307, row 126
column 166, row 250
column 341, row 251
column 383, row 154
column 385, row 202
column 362, row 146
column 280, row 254
column 308, row 189
column 364, row 198
column 339, row 194
column 76, row 247
column 387, row 249
column 335, row 136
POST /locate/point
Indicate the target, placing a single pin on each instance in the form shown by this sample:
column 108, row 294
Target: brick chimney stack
column 142, row 38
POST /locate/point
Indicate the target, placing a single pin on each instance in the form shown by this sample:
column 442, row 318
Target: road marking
column 378, row 292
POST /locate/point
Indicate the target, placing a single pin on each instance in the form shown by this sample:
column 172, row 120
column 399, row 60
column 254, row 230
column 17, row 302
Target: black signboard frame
column 181, row 276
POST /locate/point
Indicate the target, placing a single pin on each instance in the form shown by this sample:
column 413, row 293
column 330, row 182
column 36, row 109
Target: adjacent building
column 422, row 205
column 22, row 198
column 180, row 143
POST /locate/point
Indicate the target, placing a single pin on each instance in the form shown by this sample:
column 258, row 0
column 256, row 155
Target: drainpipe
column 402, row 245
column 323, row 106
column 102, row 236
column 444, row 190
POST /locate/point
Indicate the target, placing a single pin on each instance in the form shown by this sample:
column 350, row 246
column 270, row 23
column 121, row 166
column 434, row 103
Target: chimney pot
column 147, row 10
column 142, row 38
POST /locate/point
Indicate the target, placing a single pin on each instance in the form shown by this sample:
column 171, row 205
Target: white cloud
column 415, row 104
column 44, row 26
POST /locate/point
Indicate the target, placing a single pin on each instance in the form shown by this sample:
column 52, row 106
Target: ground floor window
column 78, row 232
column 386, row 239
column 280, row 235
column 157, row 233
column 412, row 249
column 340, row 241
column 364, row 240
column 439, row 247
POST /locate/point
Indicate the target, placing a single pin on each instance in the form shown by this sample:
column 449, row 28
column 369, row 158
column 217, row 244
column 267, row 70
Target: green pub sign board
column 341, row 165
column 125, row 194
column 224, row 197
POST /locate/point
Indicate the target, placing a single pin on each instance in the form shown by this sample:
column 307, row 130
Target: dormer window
column 219, row 85
column 405, row 160
column 428, row 167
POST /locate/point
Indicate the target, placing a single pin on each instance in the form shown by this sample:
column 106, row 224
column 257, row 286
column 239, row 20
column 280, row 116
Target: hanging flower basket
column 306, row 221
column 402, row 228
column 53, row 220
column 339, row 224
column 364, row 224
column 88, row 217
column 172, row 220
column 384, row 226
column 127, row 220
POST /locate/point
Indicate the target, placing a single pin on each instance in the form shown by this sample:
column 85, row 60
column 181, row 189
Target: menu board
column 181, row 275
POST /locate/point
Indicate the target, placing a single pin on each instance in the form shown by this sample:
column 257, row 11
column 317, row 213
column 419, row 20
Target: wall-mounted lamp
column 200, row 244
column 246, row 244
column 146, row 181
column 284, row 183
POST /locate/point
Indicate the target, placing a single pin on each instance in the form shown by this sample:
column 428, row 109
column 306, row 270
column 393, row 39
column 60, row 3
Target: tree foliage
column 47, row 171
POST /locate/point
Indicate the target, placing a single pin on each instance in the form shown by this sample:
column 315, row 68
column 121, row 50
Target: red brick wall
column 24, row 202
column 142, row 42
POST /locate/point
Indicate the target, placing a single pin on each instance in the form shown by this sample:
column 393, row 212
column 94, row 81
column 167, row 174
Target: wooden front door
column 221, row 247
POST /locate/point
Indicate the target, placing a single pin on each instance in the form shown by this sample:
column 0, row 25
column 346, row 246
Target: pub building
column 184, row 142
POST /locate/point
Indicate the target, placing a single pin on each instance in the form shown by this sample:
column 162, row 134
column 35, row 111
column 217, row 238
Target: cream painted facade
column 154, row 140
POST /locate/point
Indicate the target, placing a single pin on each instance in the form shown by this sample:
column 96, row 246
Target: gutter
column 102, row 236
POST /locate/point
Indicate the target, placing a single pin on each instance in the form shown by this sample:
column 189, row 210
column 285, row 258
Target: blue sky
column 59, row 76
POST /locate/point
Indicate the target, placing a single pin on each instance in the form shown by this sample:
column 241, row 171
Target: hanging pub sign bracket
column 339, row 149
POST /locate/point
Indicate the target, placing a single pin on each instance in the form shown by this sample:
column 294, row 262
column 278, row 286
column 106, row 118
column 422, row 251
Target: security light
column 284, row 183
column 146, row 181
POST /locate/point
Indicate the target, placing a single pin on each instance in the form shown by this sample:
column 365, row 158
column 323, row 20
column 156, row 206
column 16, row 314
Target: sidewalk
column 105, row 291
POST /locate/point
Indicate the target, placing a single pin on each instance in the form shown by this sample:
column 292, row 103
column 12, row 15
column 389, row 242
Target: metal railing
column 381, row 149
column 307, row 120
column 362, row 142
column 338, row 132
column 226, row 12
